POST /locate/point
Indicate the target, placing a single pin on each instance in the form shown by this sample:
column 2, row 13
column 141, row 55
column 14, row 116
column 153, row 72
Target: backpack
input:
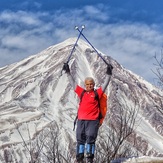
column 102, row 105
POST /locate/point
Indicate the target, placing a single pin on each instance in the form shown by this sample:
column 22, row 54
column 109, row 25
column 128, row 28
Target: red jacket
column 88, row 107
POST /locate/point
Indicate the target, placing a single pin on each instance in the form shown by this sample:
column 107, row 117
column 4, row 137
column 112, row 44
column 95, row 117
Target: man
column 88, row 114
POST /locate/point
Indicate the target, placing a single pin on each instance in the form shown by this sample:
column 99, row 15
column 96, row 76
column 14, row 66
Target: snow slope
column 33, row 93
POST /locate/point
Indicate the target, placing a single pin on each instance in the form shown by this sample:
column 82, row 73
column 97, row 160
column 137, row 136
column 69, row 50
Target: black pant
column 87, row 131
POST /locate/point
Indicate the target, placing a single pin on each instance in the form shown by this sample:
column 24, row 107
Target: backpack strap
column 96, row 95
column 76, row 118
column 82, row 94
column 75, row 122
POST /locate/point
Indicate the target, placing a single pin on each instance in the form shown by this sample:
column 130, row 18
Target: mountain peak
column 34, row 92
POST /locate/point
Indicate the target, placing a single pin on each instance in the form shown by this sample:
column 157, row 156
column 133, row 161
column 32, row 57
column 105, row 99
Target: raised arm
column 70, row 77
column 108, row 77
column 72, row 81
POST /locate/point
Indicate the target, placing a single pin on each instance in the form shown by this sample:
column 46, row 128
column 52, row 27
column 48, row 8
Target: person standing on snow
column 88, row 114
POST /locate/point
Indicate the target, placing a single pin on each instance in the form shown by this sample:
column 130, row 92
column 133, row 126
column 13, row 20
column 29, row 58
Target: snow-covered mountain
column 34, row 93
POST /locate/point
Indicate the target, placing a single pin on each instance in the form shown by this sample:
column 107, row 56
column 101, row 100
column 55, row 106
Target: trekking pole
column 80, row 31
column 77, row 28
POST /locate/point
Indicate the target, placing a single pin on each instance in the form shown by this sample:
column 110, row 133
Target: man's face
column 89, row 85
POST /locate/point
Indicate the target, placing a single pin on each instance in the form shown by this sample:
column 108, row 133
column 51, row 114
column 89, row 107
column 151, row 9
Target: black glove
column 109, row 69
column 66, row 67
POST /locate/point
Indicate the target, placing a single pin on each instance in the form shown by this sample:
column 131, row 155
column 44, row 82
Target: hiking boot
column 89, row 157
column 89, row 160
column 80, row 158
column 80, row 161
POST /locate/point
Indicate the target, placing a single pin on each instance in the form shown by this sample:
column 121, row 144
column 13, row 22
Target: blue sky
column 130, row 31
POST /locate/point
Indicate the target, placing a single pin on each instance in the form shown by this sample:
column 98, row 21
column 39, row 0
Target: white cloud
column 96, row 12
column 132, row 44
column 19, row 17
